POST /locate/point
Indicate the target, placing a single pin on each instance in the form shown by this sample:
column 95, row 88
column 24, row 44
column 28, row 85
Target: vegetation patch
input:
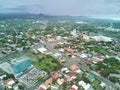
column 47, row 63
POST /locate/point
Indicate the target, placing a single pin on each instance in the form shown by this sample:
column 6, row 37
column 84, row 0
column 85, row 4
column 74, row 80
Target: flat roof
column 7, row 67
column 17, row 60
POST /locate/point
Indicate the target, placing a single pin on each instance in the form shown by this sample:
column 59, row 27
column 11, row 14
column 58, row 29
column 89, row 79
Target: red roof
column 66, row 79
column 87, row 62
column 100, row 57
column 78, row 53
column 71, row 74
column 41, row 88
column 75, row 67
column 69, row 50
column 56, row 75
column 70, row 88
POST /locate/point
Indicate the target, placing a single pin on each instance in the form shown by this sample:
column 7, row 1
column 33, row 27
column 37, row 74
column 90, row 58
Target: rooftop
column 17, row 60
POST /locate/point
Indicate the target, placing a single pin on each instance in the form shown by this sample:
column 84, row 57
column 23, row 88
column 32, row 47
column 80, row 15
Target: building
column 102, row 38
column 42, row 50
column 7, row 67
column 74, row 33
column 86, row 37
column 21, row 64
column 57, row 55
column 16, row 66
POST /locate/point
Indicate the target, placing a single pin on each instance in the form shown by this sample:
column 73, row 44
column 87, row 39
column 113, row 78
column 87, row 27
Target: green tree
column 113, row 79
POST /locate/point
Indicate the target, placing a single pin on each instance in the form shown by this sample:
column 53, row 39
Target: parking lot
column 31, row 77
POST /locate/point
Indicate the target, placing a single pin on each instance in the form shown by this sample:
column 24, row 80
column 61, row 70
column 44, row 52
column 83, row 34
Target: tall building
column 74, row 32
column 21, row 64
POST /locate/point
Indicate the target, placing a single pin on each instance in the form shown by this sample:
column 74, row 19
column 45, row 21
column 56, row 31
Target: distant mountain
column 40, row 16
column 31, row 16
column 16, row 15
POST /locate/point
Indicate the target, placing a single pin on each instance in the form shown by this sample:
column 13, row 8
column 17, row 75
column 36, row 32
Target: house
column 50, row 39
column 84, row 85
column 62, row 60
column 58, row 38
column 75, row 68
column 84, row 55
column 48, row 82
column 81, row 83
column 87, row 86
column 74, row 87
column 64, row 70
column 56, row 75
column 72, row 75
column 54, row 88
column 78, row 53
column 91, row 77
column 67, row 78
column 42, row 87
column 57, row 55
column 9, row 82
column 61, row 50
column 59, row 81
column 102, row 84
column 69, row 50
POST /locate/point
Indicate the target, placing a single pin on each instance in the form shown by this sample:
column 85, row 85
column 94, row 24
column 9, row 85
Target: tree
column 20, row 86
column 105, row 73
column 10, row 76
column 5, row 78
column 113, row 79
column 11, row 89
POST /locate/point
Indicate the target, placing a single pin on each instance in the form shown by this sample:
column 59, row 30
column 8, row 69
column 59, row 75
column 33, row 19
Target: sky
column 96, row 8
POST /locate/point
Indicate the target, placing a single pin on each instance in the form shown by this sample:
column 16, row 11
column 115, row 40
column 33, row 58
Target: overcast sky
column 63, row 7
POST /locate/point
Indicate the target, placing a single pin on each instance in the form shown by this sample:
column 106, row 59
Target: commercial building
column 16, row 66
column 21, row 64
column 102, row 38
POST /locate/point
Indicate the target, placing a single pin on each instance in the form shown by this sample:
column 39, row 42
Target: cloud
column 30, row 8
column 112, row 1
column 19, row 8
column 63, row 7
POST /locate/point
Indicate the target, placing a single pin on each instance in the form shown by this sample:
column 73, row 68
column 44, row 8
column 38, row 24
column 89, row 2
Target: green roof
column 91, row 77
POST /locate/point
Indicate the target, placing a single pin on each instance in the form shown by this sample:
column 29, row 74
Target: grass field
column 47, row 63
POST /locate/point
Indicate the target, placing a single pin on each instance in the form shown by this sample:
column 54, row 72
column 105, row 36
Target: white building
column 7, row 68
column 84, row 85
column 42, row 50
column 74, row 32
column 102, row 38
column 57, row 55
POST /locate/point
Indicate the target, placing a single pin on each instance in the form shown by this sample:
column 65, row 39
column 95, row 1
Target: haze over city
column 97, row 8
